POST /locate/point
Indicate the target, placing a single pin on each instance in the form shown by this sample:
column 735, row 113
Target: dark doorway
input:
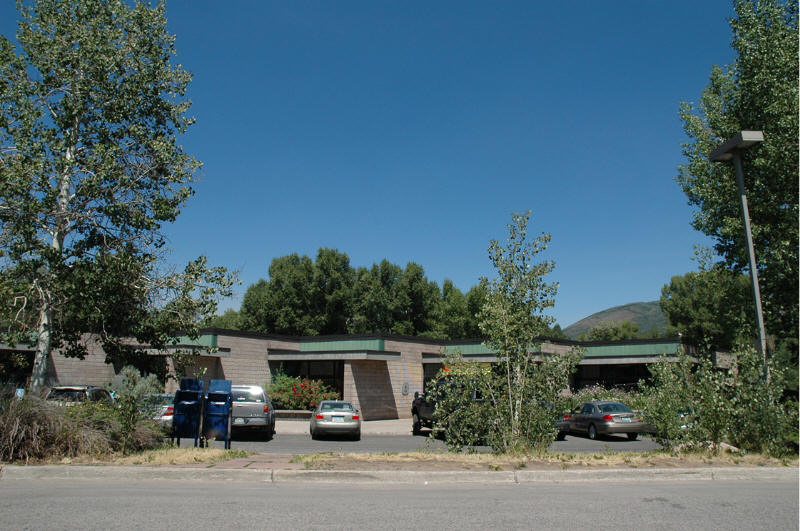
column 330, row 372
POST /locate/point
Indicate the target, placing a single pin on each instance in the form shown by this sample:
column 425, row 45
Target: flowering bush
column 290, row 392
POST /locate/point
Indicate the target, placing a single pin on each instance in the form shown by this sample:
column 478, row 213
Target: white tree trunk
column 44, row 339
column 43, row 348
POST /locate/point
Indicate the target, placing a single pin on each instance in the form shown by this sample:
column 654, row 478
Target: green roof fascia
column 644, row 349
column 474, row 348
column 343, row 344
column 205, row 340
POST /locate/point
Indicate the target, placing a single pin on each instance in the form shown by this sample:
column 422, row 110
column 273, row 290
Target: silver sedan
column 335, row 417
column 601, row 417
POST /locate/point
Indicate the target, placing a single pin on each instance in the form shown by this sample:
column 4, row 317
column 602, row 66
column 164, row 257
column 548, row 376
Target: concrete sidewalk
column 368, row 427
column 294, row 475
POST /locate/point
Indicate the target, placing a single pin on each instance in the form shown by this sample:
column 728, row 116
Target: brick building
column 379, row 373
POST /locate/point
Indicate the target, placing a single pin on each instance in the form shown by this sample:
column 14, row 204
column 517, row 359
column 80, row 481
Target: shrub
column 474, row 405
column 32, row 429
column 131, row 411
column 736, row 405
column 761, row 421
column 687, row 385
column 290, row 392
column 463, row 416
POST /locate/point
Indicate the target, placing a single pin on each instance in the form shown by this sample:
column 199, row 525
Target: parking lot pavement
column 368, row 427
column 293, row 438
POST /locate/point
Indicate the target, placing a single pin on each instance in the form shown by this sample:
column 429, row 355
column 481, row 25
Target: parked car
column 602, row 417
column 335, row 417
column 72, row 394
column 161, row 407
column 252, row 410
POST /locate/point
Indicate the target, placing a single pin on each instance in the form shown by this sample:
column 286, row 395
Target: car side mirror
column 416, row 394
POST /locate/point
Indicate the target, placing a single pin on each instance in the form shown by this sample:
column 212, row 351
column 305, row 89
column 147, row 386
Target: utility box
column 217, row 412
column 188, row 410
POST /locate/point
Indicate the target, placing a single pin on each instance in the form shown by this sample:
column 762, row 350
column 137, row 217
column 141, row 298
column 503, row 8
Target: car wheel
column 357, row 436
column 314, row 435
column 592, row 432
column 632, row 436
column 560, row 436
column 416, row 426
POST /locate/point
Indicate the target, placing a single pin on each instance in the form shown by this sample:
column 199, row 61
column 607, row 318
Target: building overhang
column 195, row 350
column 480, row 357
column 331, row 355
column 626, row 360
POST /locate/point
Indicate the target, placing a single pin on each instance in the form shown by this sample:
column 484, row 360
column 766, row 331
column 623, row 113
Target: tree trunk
column 44, row 340
column 43, row 348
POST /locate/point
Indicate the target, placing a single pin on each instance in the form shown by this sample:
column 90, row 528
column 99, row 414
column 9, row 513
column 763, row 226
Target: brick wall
column 408, row 370
column 246, row 363
column 92, row 370
column 368, row 385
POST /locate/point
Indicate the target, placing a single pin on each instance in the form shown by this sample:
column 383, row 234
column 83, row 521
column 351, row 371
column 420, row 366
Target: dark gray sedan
column 602, row 417
column 335, row 417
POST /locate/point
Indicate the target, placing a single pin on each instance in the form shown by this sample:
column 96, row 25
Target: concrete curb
column 123, row 473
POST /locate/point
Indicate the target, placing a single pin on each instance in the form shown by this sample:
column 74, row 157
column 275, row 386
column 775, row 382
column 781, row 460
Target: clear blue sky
column 411, row 130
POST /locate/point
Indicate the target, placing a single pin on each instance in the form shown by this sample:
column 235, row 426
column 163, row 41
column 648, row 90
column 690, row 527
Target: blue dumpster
column 217, row 412
column 187, row 410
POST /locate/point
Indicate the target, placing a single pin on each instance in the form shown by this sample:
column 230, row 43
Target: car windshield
column 615, row 407
column 67, row 395
column 337, row 406
column 245, row 395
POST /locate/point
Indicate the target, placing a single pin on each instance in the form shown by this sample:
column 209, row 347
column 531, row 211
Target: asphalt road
column 131, row 504
column 303, row 444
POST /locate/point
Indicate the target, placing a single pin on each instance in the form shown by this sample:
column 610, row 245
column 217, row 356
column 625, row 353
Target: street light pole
column 731, row 150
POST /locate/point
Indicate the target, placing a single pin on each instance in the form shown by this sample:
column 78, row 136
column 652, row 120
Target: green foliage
column 719, row 405
column 519, row 397
column 91, row 169
column 607, row 331
column 472, row 406
column 464, row 416
column 230, row 320
column 132, row 409
column 758, row 91
column 327, row 296
column 290, row 392
column 710, row 307
column 512, row 319
column 762, row 421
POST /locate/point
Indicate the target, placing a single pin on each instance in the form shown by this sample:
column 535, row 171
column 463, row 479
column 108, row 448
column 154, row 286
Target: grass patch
column 179, row 456
column 442, row 460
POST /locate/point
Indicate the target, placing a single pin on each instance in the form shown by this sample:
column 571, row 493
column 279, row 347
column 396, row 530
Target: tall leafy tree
column 415, row 300
column 476, row 298
column 451, row 314
column 513, row 320
column 374, row 305
column 333, row 290
column 285, row 303
column 758, row 91
column 90, row 169
column 710, row 308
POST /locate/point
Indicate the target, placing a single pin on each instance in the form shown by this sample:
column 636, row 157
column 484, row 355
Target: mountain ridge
column 647, row 315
